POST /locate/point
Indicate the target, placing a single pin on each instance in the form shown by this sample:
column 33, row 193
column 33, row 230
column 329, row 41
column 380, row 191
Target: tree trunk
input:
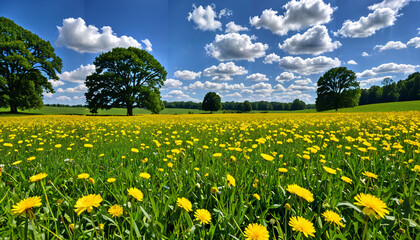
column 130, row 111
column 13, row 108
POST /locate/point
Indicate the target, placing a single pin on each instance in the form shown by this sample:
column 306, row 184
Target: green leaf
column 350, row 205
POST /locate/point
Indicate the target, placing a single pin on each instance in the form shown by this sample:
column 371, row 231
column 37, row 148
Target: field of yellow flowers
column 211, row 176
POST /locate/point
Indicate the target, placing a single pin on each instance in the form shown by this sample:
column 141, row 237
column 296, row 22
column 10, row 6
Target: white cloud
column 308, row 66
column 216, row 86
column 231, row 27
column 280, row 88
column 285, row 76
column 63, row 98
column 74, row 34
column 301, row 88
column 270, row 58
column 172, row 83
column 303, row 82
column 415, row 42
column 352, row 62
column 224, row 71
column 235, row 46
column 77, row 89
column 370, row 81
column 56, row 83
column 299, row 15
column 78, row 75
column 367, row 26
column 224, row 12
column 179, row 95
column 148, row 45
column 392, row 4
column 391, row 45
column 234, row 95
column 205, row 18
column 262, row 88
column 314, row 41
column 257, row 77
column 365, row 54
column 47, row 94
column 187, row 75
column 388, row 68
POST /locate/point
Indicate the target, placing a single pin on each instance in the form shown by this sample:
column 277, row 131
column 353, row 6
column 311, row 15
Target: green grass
column 380, row 107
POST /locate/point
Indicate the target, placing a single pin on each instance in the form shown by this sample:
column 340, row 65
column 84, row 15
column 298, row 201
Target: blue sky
column 243, row 50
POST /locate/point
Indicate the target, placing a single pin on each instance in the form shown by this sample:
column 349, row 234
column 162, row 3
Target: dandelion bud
column 287, row 206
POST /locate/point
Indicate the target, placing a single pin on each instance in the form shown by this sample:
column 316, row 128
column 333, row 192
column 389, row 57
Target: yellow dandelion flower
column 346, row 179
column 257, row 196
column 283, row 170
column 83, row 176
column 30, row 159
column 267, row 157
column 214, row 190
column 116, row 210
column 255, row 231
column 134, row 150
column 300, row 224
column 87, row 145
column 203, row 216
column 184, row 203
column 217, row 155
column 332, row 217
column 16, row 163
column 25, row 206
column 370, row 175
column 231, row 180
column 87, row 203
column 306, row 157
column 38, row 177
column 57, row 146
column 170, row 165
column 287, row 206
column 145, row 175
column 372, row 205
column 111, row 180
column 92, row 181
column 329, row 170
column 301, row 192
column 136, row 193
column 416, row 168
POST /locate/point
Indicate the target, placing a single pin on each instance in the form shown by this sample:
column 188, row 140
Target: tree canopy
column 247, row 107
column 337, row 88
column 126, row 78
column 27, row 62
column 212, row 102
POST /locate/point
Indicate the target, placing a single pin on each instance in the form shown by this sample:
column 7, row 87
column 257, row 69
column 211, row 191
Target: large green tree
column 212, row 102
column 337, row 88
column 27, row 62
column 126, row 78
column 246, row 106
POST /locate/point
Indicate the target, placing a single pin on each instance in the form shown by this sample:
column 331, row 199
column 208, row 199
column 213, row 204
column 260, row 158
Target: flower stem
column 26, row 228
column 93, row 223
column 49, row 207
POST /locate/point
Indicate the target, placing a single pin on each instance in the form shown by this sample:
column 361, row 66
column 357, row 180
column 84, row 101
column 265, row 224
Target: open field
column 211, row 176
column 47, row 110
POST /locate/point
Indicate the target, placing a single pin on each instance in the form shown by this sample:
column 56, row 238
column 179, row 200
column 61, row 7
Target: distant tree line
column 238, row 106
column 403, row 90
column 64, row 105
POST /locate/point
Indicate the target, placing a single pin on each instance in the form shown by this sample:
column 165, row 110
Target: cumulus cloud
column 205, row 18
column 47, row 94
column 148, row 45
column 179, row 95
column 56, row 83
column 74, row 34
column 299, row 15
column 235, row 46
column 77, row 89
column 63, row 98
column 391, row 4
column 262, row 88
column 280, row 88
column 257, row 77
column 235, row 95
column 172, row 83
column 352, row 62
column 216, row 86
column 415, row 42
column 187, row 75
column 365, row 54
column 78, row 75
column 308, row 66
column 314, row 41
column 285, row 76
column 367, row 26
column 224, row 71
column 271, row 58
column 371, row 81
column 389, row 68
column 231, row 27
column 391, row 45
